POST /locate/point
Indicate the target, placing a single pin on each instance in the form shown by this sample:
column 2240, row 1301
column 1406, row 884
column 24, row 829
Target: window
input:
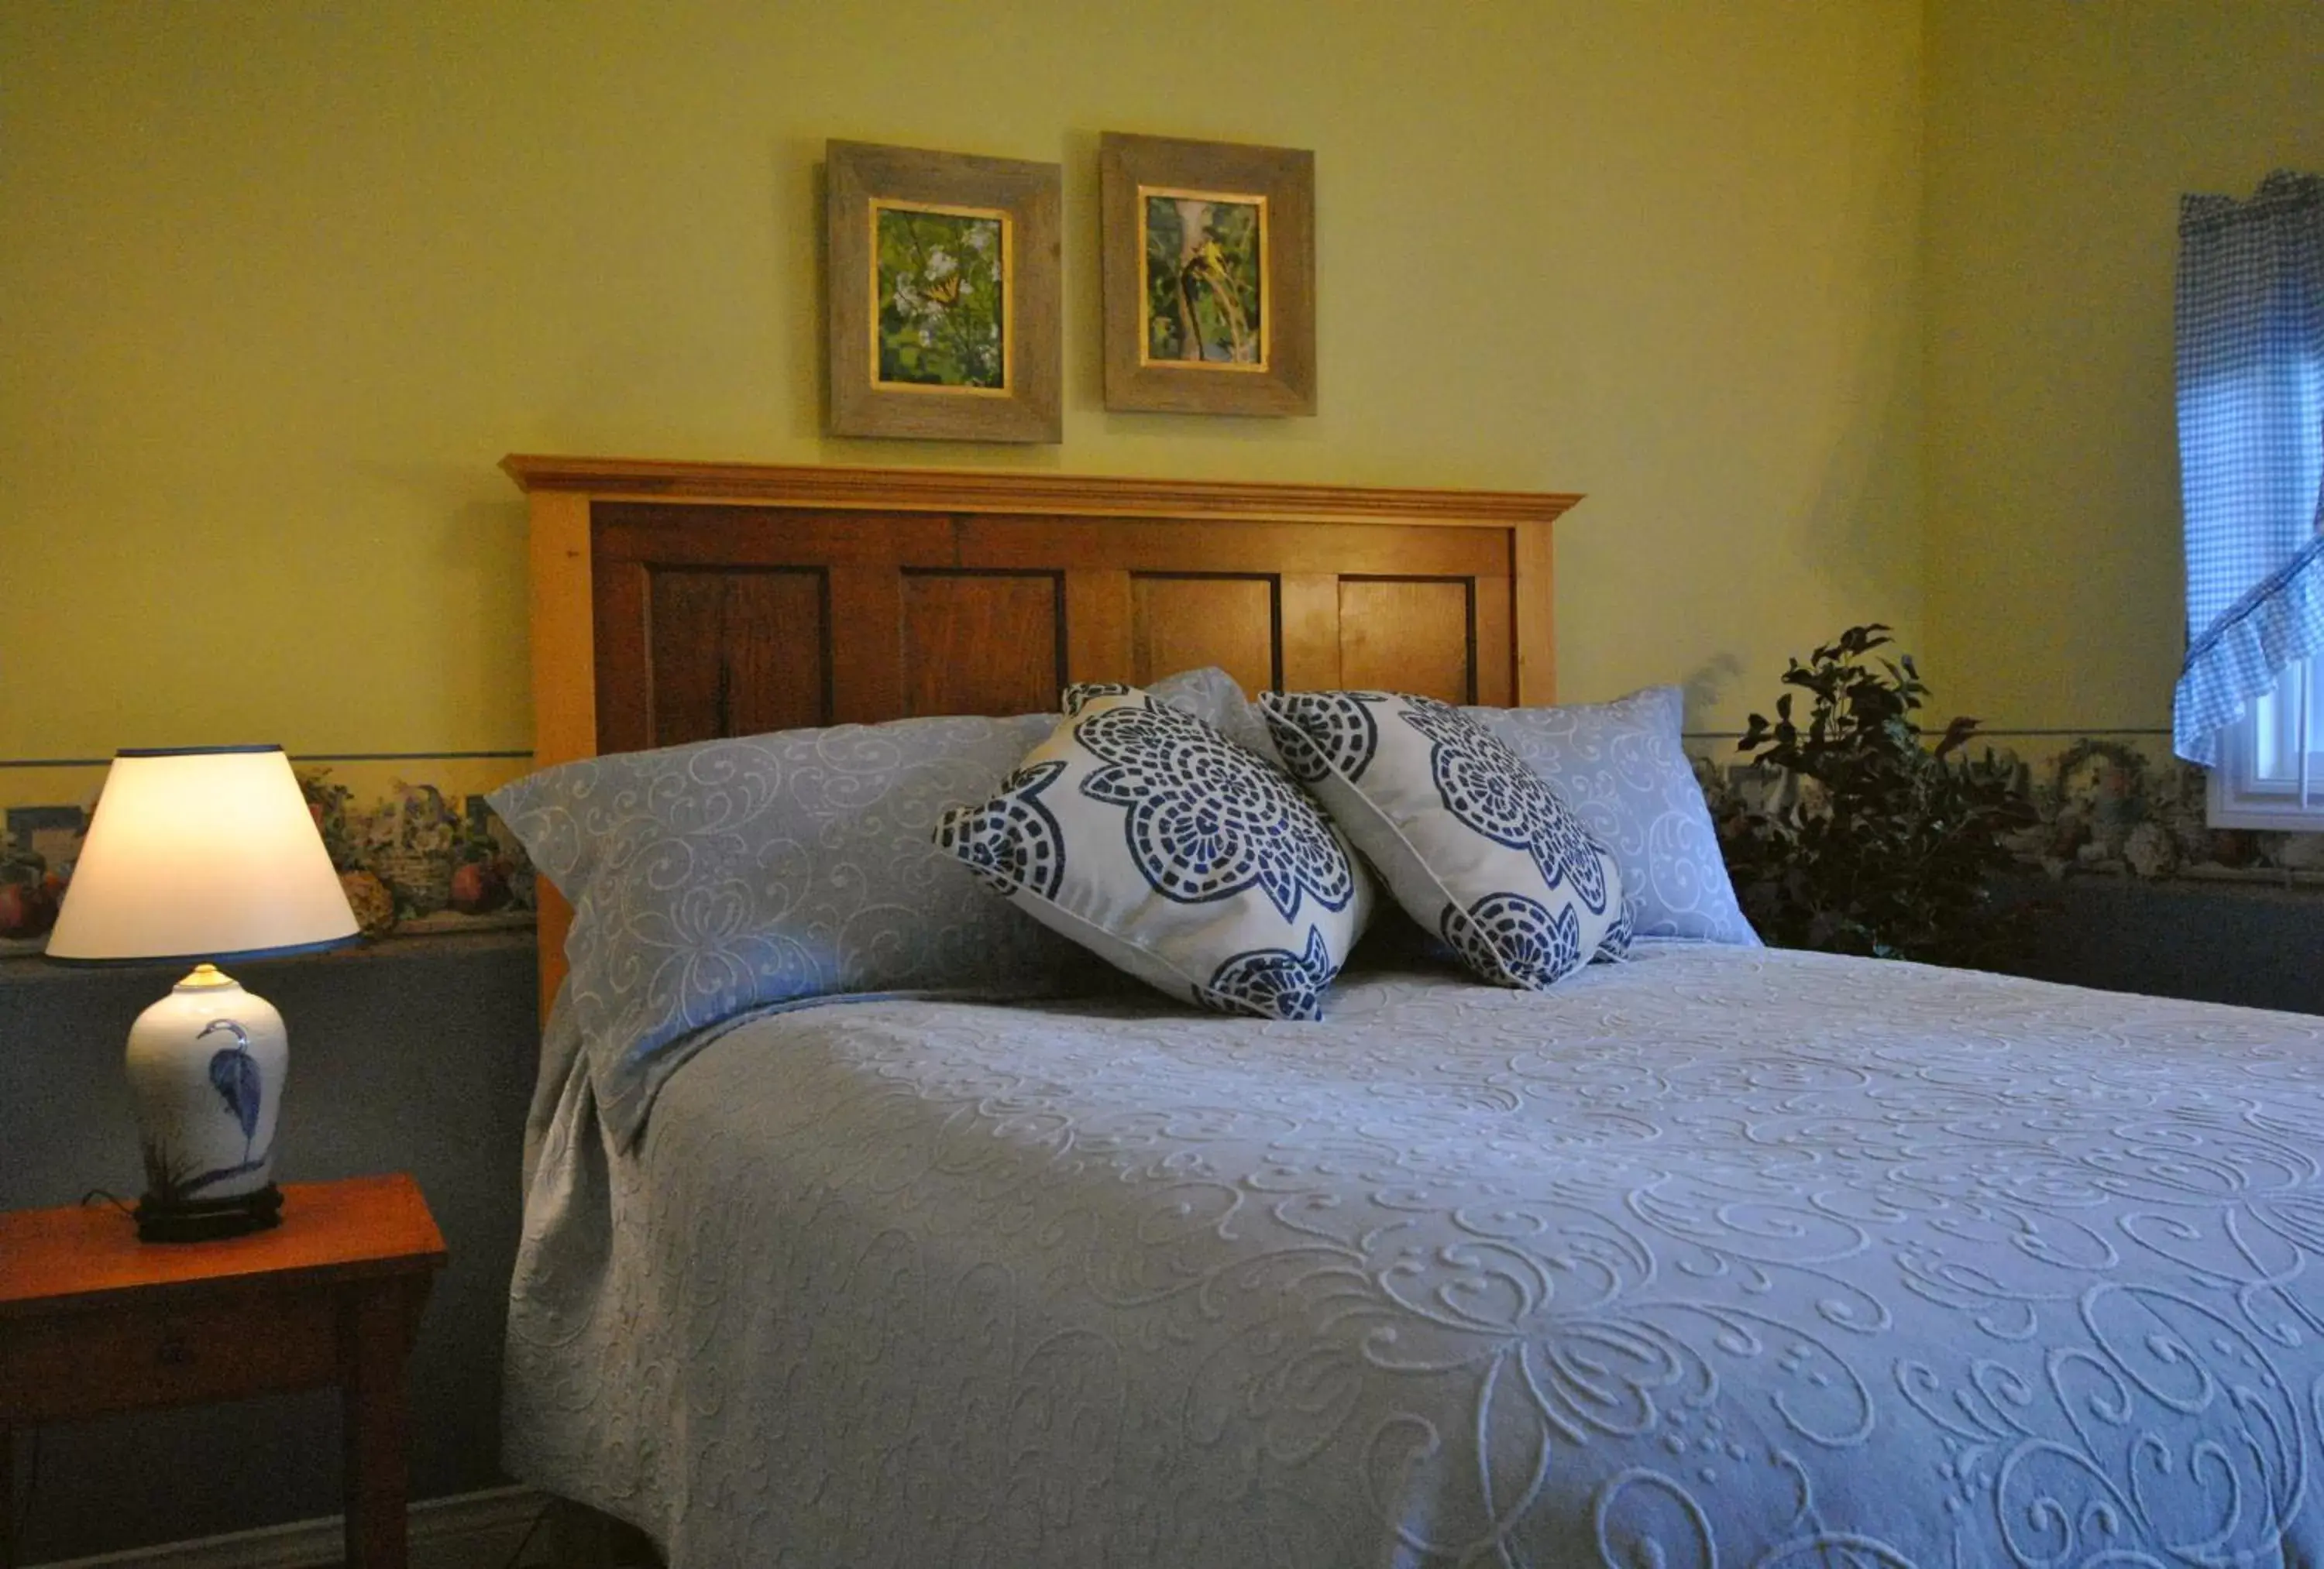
column 2271, row 772
column 2249, row 704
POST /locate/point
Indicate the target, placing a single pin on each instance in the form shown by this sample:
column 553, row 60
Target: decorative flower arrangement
column 415, row 855
column 409, row 842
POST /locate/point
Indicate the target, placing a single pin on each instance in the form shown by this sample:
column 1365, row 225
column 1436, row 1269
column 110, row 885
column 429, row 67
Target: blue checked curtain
column 2250, row 447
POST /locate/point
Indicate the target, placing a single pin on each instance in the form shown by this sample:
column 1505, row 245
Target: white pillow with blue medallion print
column 1145, row 835
column 1474, row 844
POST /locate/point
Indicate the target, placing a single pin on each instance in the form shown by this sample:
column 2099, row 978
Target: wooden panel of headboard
column 675, row 602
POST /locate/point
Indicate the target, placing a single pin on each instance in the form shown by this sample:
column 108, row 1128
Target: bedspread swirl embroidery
column 1726, row 1258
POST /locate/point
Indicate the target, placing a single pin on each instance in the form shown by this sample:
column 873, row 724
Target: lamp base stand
column 193, row 1220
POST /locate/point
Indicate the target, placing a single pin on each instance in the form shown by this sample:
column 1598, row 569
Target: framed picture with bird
column 942, row 297
column 1209, row 262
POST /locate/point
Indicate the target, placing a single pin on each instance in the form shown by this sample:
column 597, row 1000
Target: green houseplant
column 1870, row 840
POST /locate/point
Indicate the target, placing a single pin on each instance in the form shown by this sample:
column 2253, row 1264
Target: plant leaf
column 1888, row 853
column 1957, row 734
column 233, row 1074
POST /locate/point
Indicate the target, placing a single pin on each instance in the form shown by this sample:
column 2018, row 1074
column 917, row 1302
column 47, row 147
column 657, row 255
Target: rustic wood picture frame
column 1021, row 201
column 1276, row 372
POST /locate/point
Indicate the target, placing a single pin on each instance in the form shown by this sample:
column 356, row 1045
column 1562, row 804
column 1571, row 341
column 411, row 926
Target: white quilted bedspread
column 1723, row 1256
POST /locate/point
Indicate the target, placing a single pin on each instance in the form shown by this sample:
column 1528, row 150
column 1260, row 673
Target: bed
column 1723, row 1256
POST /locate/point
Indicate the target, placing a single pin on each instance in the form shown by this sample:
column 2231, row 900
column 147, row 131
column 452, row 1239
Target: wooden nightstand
column 92, row 1320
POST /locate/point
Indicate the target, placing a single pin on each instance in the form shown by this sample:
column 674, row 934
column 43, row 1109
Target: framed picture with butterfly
column 941, row 302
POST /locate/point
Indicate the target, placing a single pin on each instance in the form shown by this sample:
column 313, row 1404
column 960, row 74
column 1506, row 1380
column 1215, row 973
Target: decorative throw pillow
column 1623, row 769
column 1472, row 842
column 1149, row 838
column 711, row 879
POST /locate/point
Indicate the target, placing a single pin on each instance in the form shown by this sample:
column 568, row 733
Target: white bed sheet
column 1724, row 1256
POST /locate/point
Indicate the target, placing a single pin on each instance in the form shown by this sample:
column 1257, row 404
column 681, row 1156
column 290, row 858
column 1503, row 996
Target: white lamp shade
column 204, row 853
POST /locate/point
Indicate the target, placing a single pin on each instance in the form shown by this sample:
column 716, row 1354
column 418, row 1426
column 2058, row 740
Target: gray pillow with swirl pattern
column 711, row 879
column 1621, row 767
column 714, row 878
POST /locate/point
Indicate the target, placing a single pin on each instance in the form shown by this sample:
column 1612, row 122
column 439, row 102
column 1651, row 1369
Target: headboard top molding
column 1032, row 492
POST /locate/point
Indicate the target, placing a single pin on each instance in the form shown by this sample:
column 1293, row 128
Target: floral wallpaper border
column 421, row 858
column 418, row 858
column 2102, row 804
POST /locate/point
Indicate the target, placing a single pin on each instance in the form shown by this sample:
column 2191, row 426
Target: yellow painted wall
column 280, row 282
column 2060, row 134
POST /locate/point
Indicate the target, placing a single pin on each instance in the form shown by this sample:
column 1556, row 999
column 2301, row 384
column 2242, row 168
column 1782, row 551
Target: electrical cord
column 110, row 1197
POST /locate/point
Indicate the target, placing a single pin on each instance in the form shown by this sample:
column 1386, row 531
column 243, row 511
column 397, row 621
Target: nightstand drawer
column 214, row 1346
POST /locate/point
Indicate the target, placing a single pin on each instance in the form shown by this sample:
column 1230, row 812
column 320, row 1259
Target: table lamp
column 203, row 854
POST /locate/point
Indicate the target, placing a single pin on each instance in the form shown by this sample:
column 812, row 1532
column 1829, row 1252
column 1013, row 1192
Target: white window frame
column 2289, row 798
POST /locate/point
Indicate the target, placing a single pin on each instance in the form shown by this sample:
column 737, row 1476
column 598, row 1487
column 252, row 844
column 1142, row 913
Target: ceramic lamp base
column 206, row 1070
column 187, row 1220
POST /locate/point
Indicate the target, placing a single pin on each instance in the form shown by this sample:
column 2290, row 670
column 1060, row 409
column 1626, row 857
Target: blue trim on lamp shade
column 231, row 955
column 195, row 751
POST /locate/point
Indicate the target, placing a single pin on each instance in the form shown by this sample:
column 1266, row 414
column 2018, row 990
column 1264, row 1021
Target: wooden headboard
column 675, row 602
